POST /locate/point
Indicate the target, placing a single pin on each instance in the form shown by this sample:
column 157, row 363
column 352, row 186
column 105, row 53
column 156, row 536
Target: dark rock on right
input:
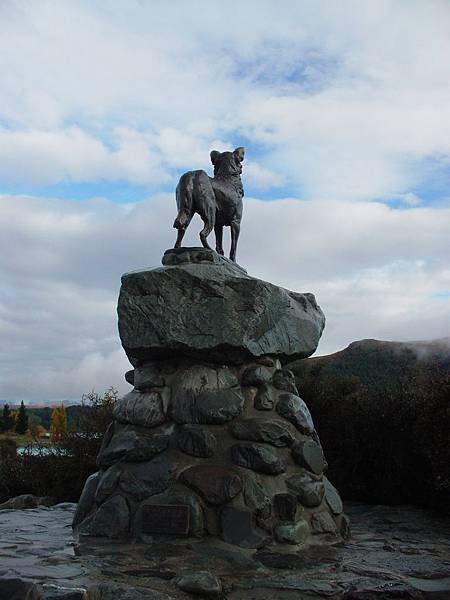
column 382, row 411
column 309, row 490
column 272, row 431
column 257, row 457
column 309, row 454
column 293, row 408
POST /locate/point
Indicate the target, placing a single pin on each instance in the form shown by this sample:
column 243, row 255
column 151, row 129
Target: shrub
column 61, row 470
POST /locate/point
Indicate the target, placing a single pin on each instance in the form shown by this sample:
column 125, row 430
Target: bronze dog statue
column 218, row 199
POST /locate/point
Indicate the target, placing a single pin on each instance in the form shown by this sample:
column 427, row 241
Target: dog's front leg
column 218, row 230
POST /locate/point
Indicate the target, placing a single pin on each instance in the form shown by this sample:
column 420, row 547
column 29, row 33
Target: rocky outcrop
column 202, row 305
column 214, row 440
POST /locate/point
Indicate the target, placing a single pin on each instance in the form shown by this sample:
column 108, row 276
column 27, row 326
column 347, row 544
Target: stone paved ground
column 398, row 552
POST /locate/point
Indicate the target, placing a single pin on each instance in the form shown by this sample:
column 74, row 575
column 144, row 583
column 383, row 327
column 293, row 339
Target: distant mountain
column 382, row 410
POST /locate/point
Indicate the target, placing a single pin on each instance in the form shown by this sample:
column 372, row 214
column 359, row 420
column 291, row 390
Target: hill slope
column 382, row 410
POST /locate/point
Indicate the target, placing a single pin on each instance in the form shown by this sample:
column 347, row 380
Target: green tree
column 7, row 420
column 22, row 419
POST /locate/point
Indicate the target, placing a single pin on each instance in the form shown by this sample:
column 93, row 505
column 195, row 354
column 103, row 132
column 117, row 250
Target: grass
column 21, row 439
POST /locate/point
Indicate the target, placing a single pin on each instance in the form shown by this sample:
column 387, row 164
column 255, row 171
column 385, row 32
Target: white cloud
column 340, row 104
column 376, row 272
column 43, row 157
column 344, row 101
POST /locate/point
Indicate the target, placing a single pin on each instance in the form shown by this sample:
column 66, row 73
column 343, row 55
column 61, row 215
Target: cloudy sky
column 344, row 111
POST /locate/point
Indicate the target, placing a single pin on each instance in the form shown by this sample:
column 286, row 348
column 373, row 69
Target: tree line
column 21, row 422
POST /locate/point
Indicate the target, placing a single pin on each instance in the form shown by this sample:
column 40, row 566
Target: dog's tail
column 185, row 203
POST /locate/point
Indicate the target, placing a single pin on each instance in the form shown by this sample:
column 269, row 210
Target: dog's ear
column 240, row 153
column 214, row 156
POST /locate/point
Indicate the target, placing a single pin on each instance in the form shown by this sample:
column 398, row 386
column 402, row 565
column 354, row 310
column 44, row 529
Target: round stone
column 205, row 395
column 264, row 399
column 309, row 454
column 322, row 522
column 295, row 533
column 332, row 497
column 309, row 491
column 257, row 457
column 194, row 440
column 257, row 429
column 256, row 376
column 284, row 379
column 140, row 408
column 216, row 485
column 293, row 408
column 201, row 583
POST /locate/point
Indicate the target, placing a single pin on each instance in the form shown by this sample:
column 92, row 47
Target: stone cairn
column 214, row 440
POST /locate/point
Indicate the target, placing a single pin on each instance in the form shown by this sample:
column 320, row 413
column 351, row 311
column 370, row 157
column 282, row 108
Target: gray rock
column 257, row 457
column 144, row 479
column 264, row 399
column 216, row 485
column 239, row 527
column 201, row 583
column 53, row 592
column 258, row 429
column 343, row 524
column 286, row 506
column 19, row 589
column 132, row 446
column 292, row 408
column 332, row 497
column 211, row 308
column 309, row 491
column 284, row 379
column 255, row 496
column 108, row 482
column 295, row 533
column 129, row 377
column 86, row 501
column 256, row 376
column 148, row 376
column 309, row 454
column 322, row 522
column 175, row 497
column 140, row 408
column 112, row 591
column 206, row 395
column 111, row 520
column 26, row 501
column 196, row 441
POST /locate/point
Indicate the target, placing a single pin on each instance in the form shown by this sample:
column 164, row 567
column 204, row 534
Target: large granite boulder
column 203, row 305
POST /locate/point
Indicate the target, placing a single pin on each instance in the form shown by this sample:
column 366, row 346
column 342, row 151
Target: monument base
column 214, row 439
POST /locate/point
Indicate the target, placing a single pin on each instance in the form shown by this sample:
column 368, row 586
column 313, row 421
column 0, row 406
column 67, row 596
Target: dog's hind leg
column 209, row 226
column 235, row 230
column 218, row 230
column 180, row 236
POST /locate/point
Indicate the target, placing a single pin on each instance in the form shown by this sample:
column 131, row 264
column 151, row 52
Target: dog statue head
column 227, row 164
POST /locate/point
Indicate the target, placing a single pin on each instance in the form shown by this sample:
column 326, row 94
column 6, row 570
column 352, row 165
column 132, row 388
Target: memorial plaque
column 165, row 519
